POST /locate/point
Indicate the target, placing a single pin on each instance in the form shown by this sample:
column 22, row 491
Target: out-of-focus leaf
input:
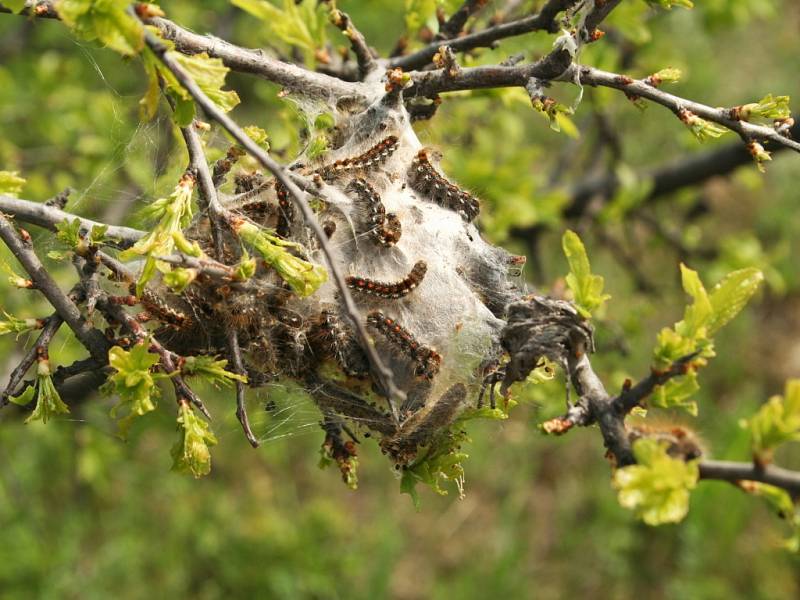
column 587, row 288
column 11, row 183
column 104, row 20
column 776, row 422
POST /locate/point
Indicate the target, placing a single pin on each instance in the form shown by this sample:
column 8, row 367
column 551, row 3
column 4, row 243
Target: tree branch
column 48, row 217
column 691, row 170
column 92, row 339
column 735, row 472
column 255, row 62
column 364, row 56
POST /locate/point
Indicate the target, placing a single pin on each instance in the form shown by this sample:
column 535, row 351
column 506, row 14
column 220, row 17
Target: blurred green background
column 83, row 515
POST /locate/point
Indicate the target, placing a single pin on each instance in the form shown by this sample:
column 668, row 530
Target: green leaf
column 676, row 392
column 781, row 502
column 48, row 401
column 11, row 183
column 731, row 295
column 769, row 107
column 209, row 74
column 173, row 214
column 12, row 324
column 668, row 4
column 104, row 20
column 776, row 422
column 211, row 369
column 587, row 289
column 302, row 276
column 657, row 487
column 298, row 24
column 15, row 6
column 133, row 382
column 190, row 453
column 178, row 279
column 68, row 232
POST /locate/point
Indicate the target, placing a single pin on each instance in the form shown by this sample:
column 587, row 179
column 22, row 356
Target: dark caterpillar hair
column 394, row 290
column 285, row 211
column 332, row 338
column 366, row 161
column 425, row 179
column 427, row 359
column 386, row 229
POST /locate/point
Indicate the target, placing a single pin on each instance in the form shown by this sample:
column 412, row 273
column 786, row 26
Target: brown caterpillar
column 369, row 159
column 681, row 441
column 386, row 229
column 394, row 290
column 422, row 427
column 427, row 359
column 425, row 179
column 330, row 337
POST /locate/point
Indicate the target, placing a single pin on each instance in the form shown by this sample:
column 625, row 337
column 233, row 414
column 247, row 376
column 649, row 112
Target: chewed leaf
column 657, row 487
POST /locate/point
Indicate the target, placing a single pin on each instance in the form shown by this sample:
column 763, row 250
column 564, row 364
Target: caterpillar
column 386, row 229
column 369, row 159
column 427, row 359
column 331, row 337
column 394, row 290
column 682, row 442
column 422, row 427
column 425, row 179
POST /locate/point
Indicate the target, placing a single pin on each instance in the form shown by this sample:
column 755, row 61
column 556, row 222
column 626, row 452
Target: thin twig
column 209, row 201
column 455, row 24
column 235, row 353
column 364, row 56
column 543, row 21
column 384, row 374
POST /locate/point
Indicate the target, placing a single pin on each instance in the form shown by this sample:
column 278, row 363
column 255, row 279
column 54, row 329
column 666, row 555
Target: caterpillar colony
column 431, row 291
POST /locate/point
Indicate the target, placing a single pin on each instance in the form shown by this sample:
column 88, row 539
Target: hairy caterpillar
column 331, row 338
column 368, row 160
column 386, row 229
column 394, row 290
column 425, row 179
column 427, row 359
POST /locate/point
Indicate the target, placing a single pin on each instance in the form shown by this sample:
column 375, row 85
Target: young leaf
column 12, row 324
column 303, row 277
column 731, row 295
column 776, row 422
column 587, row 289
column 174, row 213
column 133, row 382
column 10, row 183
column 190, row 453
column 48, row 401
column 104, row 20
column 657, row 487
column 211, row 369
